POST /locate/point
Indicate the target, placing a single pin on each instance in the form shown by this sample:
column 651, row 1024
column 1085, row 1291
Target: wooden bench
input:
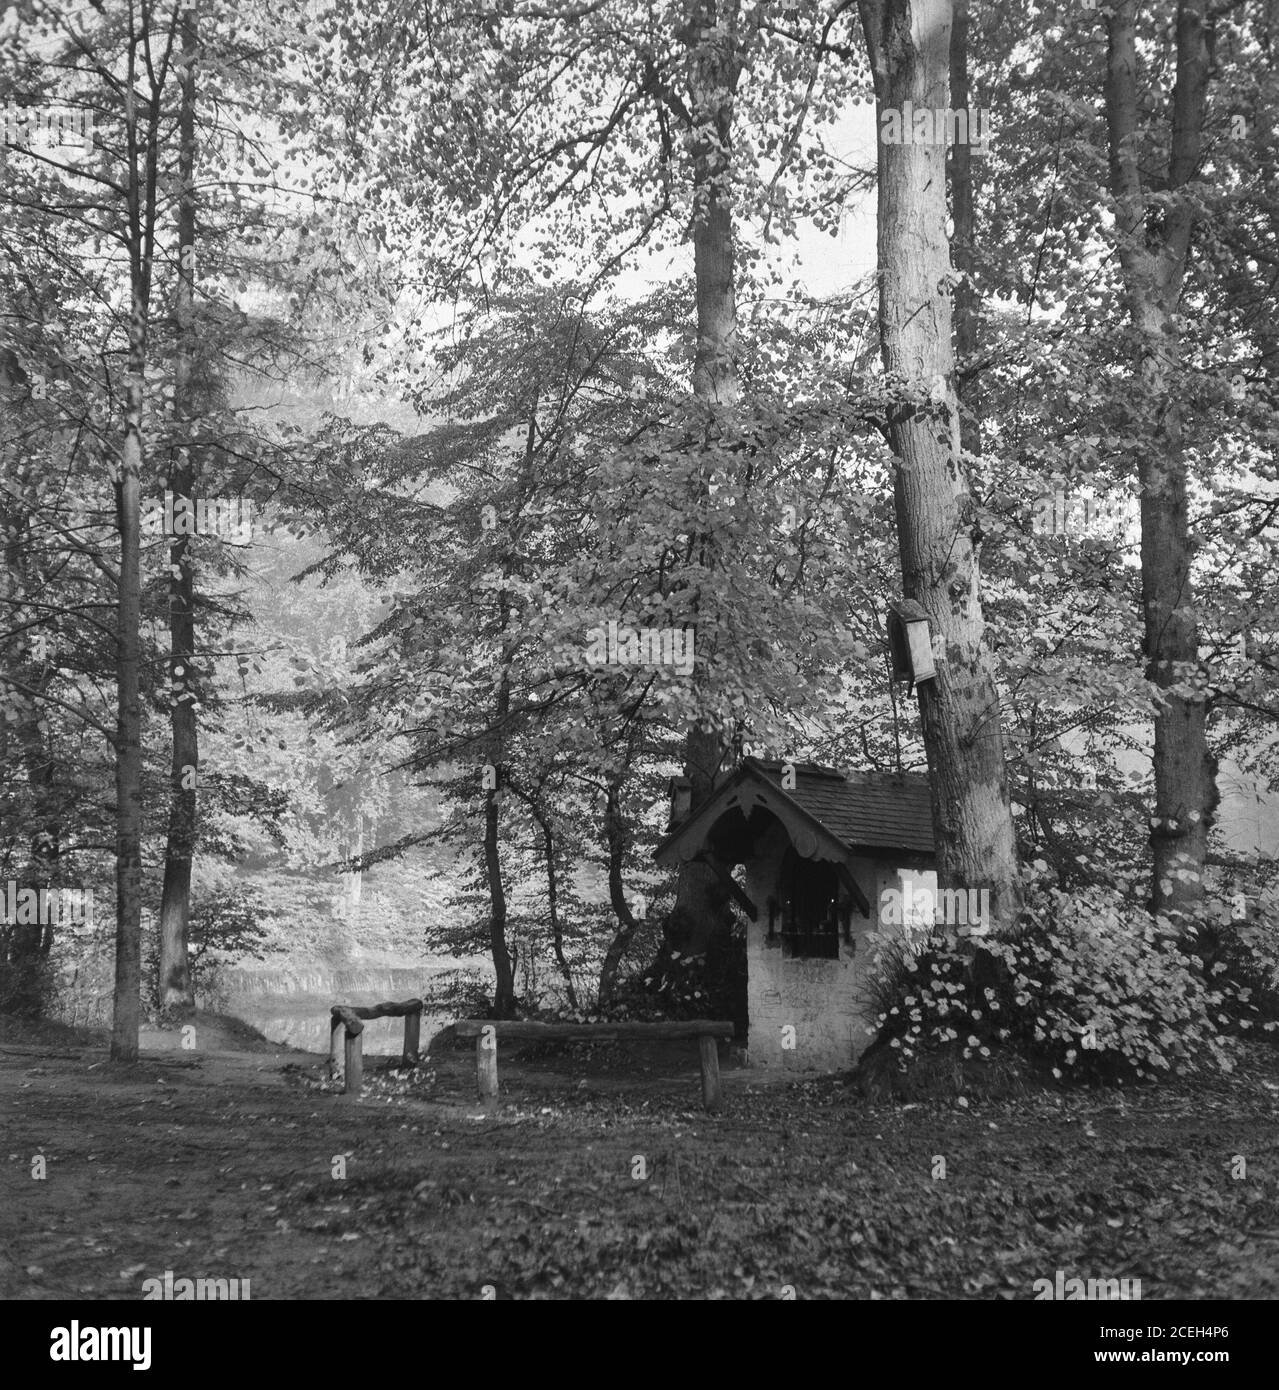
column 486, row 1032
column 349, row 1016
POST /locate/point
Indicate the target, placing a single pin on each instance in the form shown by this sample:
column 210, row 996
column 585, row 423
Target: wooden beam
column 729, row 882
column 854, row 890
column 348, row 1017
column 412, row 1035
column 387, row 1010
column 523, row 1031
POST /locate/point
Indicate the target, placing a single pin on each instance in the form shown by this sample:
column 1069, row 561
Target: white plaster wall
column 822, row 1000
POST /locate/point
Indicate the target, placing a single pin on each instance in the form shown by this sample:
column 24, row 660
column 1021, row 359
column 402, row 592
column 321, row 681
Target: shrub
column 1241, row 956
column 1089, row 987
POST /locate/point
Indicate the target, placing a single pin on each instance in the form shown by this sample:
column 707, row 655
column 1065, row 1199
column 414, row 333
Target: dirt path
column 596, row 1179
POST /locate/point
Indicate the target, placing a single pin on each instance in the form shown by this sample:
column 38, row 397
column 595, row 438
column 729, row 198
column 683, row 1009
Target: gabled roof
column 860, row 810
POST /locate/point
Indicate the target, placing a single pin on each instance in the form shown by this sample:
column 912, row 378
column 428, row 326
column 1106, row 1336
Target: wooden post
column 412, row 1035
column 486, row 1066
column 335, row 1032
column 354, row 1063
column 709, row 1050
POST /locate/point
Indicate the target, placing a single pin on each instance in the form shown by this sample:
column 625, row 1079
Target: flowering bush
column 1088, row 987
column 1240, row 951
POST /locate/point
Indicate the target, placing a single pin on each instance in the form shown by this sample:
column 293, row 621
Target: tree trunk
column 175, row 993
column 909, row 46
column 700, row 902
column 1153, row 251
column 553, row 907
column 963, row 241
column 618, row 838
column 503, row 968
column 552, row 889
column 128, row 777
column 141, row 197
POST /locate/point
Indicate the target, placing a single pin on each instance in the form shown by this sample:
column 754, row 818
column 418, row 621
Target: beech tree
column 175, row 990
column 909, row 48
column 1154, row 242
column 606, row 123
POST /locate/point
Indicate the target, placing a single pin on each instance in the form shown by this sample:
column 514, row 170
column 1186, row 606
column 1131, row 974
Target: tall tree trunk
column 963, row 241
column 127, row 1010
column 175, row 992
column 1153, row 250
column 503, row 967
column 141, row 201
column 617, row 835
column 552, row 887
column 909, row 47
column 553, row 907
column 700, row 901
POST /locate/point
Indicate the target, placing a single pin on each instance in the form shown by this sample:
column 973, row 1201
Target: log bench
column 349, row 1018
column 487, row 1031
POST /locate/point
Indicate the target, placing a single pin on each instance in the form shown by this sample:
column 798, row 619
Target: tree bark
column 127, row 1011
column 1153, row 251
column 712, row 36
column 618, row 837
column 909, row 47
column 503, row 968
column 175, row 992
column 963, row 241
column 552, row 893
column 141, row 211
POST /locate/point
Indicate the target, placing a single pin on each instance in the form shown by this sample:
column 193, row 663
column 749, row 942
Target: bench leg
column 709, row 1050
column 354, row 1063
column 486, row 1066
column 412, row 1034
column 334, row 1034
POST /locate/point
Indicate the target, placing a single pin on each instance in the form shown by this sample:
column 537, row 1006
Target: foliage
column 1090, row 987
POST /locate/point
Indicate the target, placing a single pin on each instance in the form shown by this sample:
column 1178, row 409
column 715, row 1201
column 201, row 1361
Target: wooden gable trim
column 854, row 889
column 745, row 790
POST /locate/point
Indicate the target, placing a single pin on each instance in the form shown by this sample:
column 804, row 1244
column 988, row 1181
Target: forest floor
column 599, row 1176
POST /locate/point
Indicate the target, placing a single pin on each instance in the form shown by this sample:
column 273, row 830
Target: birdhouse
column 910, row 642
column 681, row 793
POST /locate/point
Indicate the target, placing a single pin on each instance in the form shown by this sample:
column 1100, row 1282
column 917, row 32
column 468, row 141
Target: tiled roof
column 874, row 809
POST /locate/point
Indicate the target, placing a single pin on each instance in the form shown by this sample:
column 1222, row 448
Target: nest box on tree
column 910, row 642
column 681, row 794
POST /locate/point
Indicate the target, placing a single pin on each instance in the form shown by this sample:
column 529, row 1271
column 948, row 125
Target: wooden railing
column 349, row 1017
column 487, row 1031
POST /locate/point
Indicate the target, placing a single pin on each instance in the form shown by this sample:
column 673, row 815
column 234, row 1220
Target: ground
column 600, row 1177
